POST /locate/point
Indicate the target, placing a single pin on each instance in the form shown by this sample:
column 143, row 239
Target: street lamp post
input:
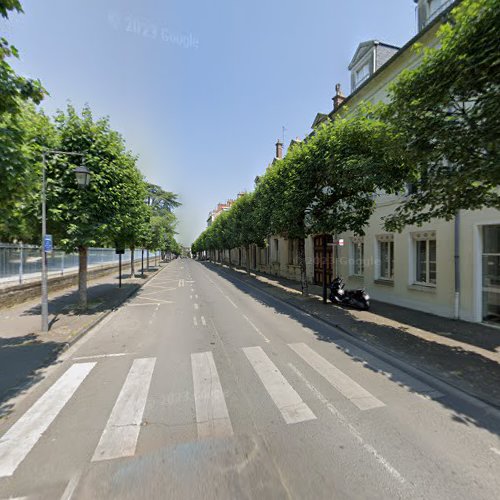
column 82, row 175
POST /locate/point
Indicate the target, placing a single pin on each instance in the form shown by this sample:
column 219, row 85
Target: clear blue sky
column 203, row 117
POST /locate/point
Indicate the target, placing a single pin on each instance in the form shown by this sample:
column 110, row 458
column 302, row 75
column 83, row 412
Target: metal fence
column 21, row 263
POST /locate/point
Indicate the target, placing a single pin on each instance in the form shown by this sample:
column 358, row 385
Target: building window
column 292, row 252
column 491, row 274
column 425, row 261
column 357, row 257
column 386, row 254
column 361, row 75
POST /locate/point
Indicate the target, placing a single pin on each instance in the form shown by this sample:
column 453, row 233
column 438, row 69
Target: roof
column 366, row 45
column 400, row 52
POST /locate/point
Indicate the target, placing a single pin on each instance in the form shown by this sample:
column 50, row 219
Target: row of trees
column 118, row 208
column 439, row 133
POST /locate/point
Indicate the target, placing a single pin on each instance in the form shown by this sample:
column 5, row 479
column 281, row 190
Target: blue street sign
column 47, row 243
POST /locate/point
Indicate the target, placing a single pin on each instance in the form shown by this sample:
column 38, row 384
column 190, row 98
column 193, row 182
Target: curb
column 94, row 323
column 391, row 358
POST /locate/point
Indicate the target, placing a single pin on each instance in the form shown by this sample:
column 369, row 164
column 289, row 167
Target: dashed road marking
column 203, row 321
column 195, row 321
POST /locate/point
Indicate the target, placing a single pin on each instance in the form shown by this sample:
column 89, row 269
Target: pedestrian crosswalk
column 24, row 434
column 211, row 417
column 122, row 430
column 287, row 400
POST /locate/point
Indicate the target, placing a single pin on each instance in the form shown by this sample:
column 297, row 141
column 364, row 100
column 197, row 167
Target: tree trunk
column 82, row 278
column 132, row 263
column 248, row 259
column 303, row 270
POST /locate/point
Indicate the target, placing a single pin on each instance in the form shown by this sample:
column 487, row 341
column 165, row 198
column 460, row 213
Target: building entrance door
column 491, row 274
column 318, row 260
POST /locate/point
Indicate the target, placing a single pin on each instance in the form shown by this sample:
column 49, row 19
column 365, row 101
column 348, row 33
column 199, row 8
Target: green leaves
column 446, row 111
column 323, row 185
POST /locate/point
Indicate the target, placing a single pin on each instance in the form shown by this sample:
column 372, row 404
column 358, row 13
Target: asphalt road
column 202, row 387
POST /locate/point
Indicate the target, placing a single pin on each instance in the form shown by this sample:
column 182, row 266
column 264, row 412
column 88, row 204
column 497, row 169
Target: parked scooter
column 354, row 298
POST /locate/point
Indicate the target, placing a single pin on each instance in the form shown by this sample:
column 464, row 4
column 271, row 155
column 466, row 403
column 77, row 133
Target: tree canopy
column 447, row 111
column 14, row 88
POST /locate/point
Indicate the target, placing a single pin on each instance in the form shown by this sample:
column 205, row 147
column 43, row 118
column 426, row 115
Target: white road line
column 191, row 297
column 96, row 356
column 495, row 450
column 234, row 305
column 196, row 296
column 156, row 301
column 181, row 283
column 196, row 306
column 164, row 288
column 18, row 441
column 344, row 384
column 140, row 304
column 71, row 487
column 289, row 403
column 257, row 330
column 203, row 321
column 367, row 447
column 119, row 438
column 212, row 417
column 195, row 321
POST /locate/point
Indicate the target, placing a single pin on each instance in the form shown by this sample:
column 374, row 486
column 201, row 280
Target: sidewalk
column 24, row 350
column 465, row 355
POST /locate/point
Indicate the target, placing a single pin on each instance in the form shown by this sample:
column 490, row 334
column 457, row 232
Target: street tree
column 80, row 218
column 24, row 135
column 14, row 89
column 448, row 112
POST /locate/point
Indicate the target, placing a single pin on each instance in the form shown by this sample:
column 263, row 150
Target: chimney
column 339, row 97
column 279, row 150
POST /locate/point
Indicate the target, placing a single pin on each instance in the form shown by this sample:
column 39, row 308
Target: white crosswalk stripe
column 289, row 403
column 122, row 430
column 344, row 384
column 18, row 441
column 212, row 417
column 119, row 438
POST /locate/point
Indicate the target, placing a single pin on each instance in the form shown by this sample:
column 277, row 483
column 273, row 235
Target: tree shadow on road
column 471, row 371
column 474, row 334
column 21, row 361
column 101, row 297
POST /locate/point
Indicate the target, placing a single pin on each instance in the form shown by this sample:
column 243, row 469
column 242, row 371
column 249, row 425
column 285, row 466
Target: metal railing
column 20, row 263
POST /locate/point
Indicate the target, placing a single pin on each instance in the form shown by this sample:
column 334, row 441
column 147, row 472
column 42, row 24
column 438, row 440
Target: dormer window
column 361, row 75
column 437, row 6
column 369, row 57
column 428, row 10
